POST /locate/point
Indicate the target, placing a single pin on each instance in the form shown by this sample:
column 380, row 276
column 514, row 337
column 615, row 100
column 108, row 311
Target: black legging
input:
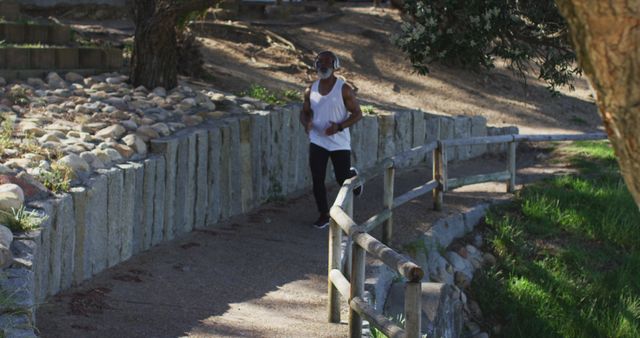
column 318, row 158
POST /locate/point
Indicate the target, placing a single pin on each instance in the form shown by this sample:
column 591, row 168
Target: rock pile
column 89, row 123
column 452, row 256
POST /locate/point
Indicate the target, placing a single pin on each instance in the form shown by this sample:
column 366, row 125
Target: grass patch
column 21, row 220
column 29, row 144
column 368, row 109
column 272, row 97
column 25, row 45
column 58, row 179
column 6, row 132
column 18, row 96
column 568, row 253
column 399, row 320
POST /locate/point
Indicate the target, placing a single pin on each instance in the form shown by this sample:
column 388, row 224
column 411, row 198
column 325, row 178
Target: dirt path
column 256, row 275
column 236, row 58
column 362, row 37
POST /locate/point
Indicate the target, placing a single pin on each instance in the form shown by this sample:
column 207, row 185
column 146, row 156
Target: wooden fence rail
column 348, row 279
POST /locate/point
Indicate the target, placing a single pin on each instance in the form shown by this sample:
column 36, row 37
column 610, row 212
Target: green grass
column 21, row 220
column 58, row 179
column 272, row 97
column 368, row 109
column 4, row 44
column 6, row 134
column 18, row 95
column 399, row 320
column 568, row 253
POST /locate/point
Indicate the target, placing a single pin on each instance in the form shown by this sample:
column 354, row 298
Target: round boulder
column 11, row 196
column 76, row 163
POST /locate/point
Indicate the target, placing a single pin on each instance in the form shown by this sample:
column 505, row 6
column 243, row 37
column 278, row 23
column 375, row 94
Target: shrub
column 276, row 98
column 472, row 34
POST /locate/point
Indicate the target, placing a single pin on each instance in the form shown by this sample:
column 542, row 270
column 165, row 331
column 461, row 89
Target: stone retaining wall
column 23, row 33
column 193, row 179
column 63, row 58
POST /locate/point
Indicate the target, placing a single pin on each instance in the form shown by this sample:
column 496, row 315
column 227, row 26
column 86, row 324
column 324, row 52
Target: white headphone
column 336, row 61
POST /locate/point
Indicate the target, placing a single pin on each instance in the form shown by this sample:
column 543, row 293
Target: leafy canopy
column 530, row 35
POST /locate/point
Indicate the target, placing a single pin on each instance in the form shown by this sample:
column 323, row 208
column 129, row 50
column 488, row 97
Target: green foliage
column 368, row 109
column 375, row 333
column 568, row 255
column 398, row 278
column 4, row 44
column 188, row 17
column 276, row 98
column 415, row 247
column 7, row 300
column 6, row 129
column 6, row 133
column 399, row 320
column 291, row 95
column 18, row 95
column 275, row 193
column 526, row 34
column 21, row 220
column 127, row 48
column 58, row 179
column 262, row 93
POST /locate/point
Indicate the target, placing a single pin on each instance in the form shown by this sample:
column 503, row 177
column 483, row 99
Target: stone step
column 27, row 33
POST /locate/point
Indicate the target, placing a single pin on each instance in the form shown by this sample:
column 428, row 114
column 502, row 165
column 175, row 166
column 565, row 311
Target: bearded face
column 324, row 72
column 325, row 66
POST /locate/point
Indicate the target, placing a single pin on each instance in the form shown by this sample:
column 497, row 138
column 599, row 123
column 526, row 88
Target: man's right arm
column 306, row 114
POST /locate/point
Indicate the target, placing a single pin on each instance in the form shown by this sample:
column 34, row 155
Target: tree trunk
column 606, row 36
column 155, row 55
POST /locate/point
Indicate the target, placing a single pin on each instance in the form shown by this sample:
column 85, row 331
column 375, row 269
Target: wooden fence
column 348, row 279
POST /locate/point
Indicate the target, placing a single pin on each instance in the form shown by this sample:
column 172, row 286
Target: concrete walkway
column 256, row 275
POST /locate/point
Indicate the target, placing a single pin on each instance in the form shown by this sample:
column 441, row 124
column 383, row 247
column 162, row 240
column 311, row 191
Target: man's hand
column 333, row 128
column 308, row 126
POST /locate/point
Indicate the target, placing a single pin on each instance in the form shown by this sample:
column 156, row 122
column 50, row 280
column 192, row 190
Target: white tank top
column 326, row 109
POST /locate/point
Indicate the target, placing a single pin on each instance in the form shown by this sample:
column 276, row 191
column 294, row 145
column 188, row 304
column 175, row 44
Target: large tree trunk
column 606, row 36
column 155, row 55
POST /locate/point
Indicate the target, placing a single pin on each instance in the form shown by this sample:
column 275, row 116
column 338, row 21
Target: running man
column 330, row 108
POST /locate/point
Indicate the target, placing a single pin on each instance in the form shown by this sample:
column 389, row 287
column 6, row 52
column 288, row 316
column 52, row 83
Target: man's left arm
column 351, row 103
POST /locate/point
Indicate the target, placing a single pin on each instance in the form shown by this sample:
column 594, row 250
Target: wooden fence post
column 413, row 309
column 387, row 226
column 440, row 175
column 357, row 289
column 348, row 250
column 335, row 241
column 511, row 166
